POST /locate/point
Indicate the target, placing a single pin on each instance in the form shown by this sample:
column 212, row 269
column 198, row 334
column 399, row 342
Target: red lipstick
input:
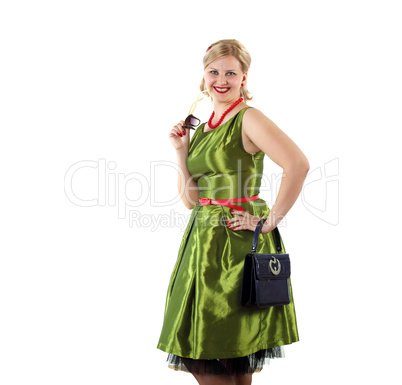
column 221, row 90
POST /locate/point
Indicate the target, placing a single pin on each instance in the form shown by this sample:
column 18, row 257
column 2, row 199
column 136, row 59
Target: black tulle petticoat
column 252, row 363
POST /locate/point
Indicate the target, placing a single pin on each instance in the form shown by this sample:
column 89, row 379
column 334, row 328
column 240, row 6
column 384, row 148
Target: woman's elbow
column 189, row 206
column 305, row 166
column 298, row 166
column 189, row 203
column 302, row 164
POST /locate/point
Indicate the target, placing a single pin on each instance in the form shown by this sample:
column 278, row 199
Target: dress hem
column 249, row 364
column 224, row 355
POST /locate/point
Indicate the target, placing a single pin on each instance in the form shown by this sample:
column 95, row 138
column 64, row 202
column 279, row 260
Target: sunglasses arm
column 194, row 105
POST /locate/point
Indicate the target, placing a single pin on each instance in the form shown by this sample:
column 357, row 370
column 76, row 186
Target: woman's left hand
column 242, row 221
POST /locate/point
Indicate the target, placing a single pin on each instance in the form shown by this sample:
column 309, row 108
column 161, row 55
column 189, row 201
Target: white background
column 83, row 288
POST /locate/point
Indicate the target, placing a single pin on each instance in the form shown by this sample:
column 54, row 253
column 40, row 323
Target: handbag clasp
column 275, row 271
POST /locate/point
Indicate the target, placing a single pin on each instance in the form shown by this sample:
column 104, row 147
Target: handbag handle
column 275, row 233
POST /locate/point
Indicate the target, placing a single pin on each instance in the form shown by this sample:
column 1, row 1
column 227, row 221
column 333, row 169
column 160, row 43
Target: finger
column 234, row 224
column 177, row 131
column 237, row 226
column 181, row 128
column 231, row 222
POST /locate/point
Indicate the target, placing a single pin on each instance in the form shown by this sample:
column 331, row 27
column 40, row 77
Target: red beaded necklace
column 223, row 115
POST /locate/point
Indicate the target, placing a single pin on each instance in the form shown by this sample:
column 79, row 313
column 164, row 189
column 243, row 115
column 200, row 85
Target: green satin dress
column 203, row 317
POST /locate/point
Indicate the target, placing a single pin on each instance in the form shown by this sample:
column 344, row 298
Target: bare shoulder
column 264, row 134
column 258, row 127
column 254, row 119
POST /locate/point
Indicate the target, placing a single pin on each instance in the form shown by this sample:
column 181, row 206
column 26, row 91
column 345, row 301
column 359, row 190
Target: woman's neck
column 220, row 108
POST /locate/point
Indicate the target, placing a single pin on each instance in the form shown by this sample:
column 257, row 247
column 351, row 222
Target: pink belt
column 225, row 202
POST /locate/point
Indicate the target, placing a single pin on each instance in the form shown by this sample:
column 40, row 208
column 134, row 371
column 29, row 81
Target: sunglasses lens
column 192, row 120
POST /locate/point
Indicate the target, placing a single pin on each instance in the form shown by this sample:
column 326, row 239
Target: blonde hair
column 230, row 47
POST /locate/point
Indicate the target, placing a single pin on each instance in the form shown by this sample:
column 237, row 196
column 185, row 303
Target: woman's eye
column 231, row 73
column 213, row 72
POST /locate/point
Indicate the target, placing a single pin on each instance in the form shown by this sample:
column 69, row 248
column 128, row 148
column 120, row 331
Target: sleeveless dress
column 205, row 329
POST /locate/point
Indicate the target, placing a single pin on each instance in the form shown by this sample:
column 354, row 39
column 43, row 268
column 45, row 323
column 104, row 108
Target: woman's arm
column 267, row 136
column 188, row 188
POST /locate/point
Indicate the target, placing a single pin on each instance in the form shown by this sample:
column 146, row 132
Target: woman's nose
column 222, row 80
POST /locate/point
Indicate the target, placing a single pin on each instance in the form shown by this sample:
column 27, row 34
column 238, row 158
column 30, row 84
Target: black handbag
column 265, row 280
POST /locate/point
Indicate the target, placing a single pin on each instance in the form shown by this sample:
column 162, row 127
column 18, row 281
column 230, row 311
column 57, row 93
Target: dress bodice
column 219, row 164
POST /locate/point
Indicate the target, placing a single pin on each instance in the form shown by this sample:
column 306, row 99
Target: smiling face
column 223, row 79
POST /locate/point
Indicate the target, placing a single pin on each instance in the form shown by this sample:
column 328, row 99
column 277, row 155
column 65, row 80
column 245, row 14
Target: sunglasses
column 191, row 121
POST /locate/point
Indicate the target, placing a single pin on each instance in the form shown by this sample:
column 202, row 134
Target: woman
column 206, row 331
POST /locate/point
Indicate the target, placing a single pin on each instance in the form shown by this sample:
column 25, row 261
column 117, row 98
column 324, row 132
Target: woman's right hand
column 179, row 140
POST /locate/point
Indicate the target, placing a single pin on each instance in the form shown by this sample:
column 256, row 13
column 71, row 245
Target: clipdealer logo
column 320, row 192
column 90, row 183
column 114, row 188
